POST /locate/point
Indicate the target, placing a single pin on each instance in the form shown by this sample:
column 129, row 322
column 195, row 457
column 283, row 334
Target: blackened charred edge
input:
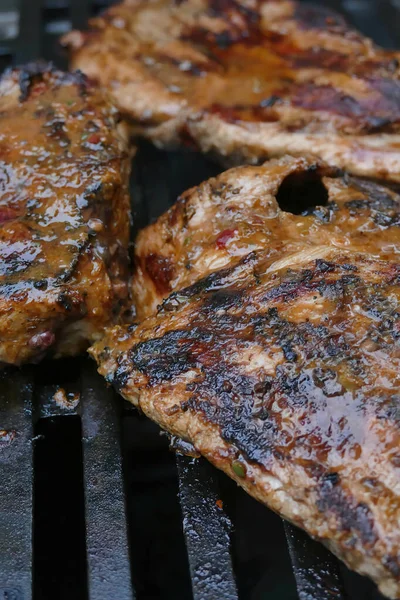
column 326, row 98
column 331, row 478
column 29, row 73
column 78, row 78
column 162, row 359
column 392, row 563
column 375, row 192
column 312, row 16
column 352, row 517
column 227, row 396
column 16, row 286
column 122, row 372
column 68, row 272
column 384, row 204
column 324, row 266
column 72, row 303
column 210, row 283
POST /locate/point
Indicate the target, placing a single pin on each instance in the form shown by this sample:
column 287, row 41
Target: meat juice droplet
column 224, row 237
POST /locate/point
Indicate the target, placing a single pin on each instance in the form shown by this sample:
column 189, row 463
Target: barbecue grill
column 92, row 505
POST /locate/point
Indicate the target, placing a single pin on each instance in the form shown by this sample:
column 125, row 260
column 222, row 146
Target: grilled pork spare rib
column 64, row 214
column 277, row 354
column 248, row 80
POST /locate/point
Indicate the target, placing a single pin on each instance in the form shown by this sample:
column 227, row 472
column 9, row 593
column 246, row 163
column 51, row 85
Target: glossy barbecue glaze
column 64, row 214
column 287, row 379
column 282, row 364
column 249, row 79
column 225, row 218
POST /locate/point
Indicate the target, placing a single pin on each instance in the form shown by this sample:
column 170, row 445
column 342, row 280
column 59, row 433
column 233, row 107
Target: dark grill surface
column 92, row 504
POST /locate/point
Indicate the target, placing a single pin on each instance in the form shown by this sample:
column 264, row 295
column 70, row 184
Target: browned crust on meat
column 286, row 378
column 277, row 354
column 64, row 213
column 249, row 80
column 227, row 217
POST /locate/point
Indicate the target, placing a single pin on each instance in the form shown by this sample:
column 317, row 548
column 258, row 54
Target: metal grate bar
column 29, row 42
column 374, row 19
column 206, row 530
column 16, row 491
column 109, row 573
column 80, row 13
column 316, row 570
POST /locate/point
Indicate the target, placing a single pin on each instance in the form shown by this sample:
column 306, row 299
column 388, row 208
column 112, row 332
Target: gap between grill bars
column 207, row 529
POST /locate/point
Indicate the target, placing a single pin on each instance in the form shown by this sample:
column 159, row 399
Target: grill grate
column 27, row 398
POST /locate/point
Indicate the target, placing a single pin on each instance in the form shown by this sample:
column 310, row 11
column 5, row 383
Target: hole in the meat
column 301, row 191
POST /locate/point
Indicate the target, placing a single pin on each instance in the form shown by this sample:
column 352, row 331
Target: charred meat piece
column 245, row 210
column 275, row 350
column 248, row 80
column 286, row 376
column 64, row 214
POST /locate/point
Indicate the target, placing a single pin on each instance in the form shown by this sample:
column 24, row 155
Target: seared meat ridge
column 64, row 213
column 248, row 80
column 225, row 218
column 285, row 374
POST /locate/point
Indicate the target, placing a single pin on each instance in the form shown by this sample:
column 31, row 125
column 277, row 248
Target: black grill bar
column 16, row 485
column 109, row 573
column 316, row 570
column 206, row 527
column 378, row 20
column 29, row 43
column 207, row 531
column 80, row 13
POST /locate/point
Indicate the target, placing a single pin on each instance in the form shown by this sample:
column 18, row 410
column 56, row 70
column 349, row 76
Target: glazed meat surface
column 248, row 80
column 277, row 353
column 225, row 218
column 64, row 214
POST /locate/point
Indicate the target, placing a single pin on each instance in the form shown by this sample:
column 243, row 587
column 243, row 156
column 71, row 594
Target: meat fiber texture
column 64, row 214
column 247, row 80
column 275, row 347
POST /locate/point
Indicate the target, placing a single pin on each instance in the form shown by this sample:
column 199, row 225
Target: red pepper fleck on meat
column 224, row 237
column 94, row 138
column 38, row 89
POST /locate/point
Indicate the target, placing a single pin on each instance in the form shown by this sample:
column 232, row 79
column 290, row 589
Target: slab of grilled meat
column 64, row 214
column 248, row 80
column 225, row 218
column 278, row 354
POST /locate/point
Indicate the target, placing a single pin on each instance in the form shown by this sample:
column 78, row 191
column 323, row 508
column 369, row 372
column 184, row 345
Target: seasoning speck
column 6, row 437
column 95, row 225
column 70, row 401
column 239, row 468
